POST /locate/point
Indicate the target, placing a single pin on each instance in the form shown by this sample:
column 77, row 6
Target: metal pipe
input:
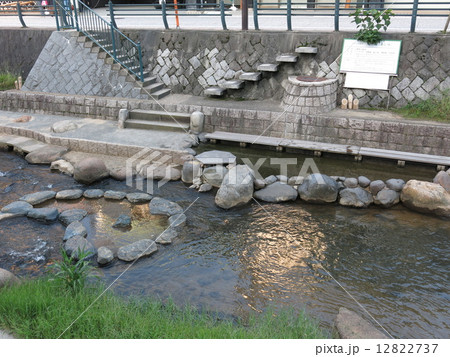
column 336, row 15
column 414, row 16
column 289, row 15
column 255, row 14
column 19, row 12
column 244, row 14
column 164, row 14
column 222, row 15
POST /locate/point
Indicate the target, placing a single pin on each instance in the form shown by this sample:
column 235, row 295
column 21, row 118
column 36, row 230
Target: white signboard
column 374, row 81
column 358, row 56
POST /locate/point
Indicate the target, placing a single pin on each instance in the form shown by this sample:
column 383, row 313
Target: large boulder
column 214, row 175
column 7, row 278
column 136, row 250
column 318, row 188
column 236, row 188
column 79, row 244
column 387, row 198
column 443, row 179
column 426, row 197
column 191, row 169
column 355, row 197
column 38, row 197
column 164, row 207
column 19, row 208
column 90, row 170
column 46, row 155
column 350, row 325
column 277, row 192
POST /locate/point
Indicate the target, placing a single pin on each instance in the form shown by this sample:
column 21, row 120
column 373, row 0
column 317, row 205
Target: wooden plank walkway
column 357, row 151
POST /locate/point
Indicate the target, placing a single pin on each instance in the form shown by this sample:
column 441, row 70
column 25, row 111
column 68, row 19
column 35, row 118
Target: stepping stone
column 72, row 215
column 165, row 207
column 114, row 195
column 251, row 76
column 177, row 220
column 267, row 67
column 38, row 197
column 216, row 157
column 104, row 256
column 75, row 229
column 45, row 215
column 307, row 50
column 19, row 208
column 233, row 84
column 69, row 194
column 214, row 92
column 76, row 244
column 123, row 221
column 136, row 250
column 167, row 236
column 94, row 193
column 287, row 58
column 139, row 197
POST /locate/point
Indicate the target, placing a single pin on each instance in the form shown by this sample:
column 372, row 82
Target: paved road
column 277, row 23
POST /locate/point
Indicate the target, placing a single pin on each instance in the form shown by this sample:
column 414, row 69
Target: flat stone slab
column 19, row 208
column 287, row 58
column 214, row 92
column 38, row 197
column 47, row 214
column 351, row 326
column 136, row 250
column 268, row 67
column 73, row 215
column 69, row 195
column 139, row 197
column 46, row 155
column 216, row 157
column 164, row 207
column 251, row 76
column 306, row 50
column 233, row 84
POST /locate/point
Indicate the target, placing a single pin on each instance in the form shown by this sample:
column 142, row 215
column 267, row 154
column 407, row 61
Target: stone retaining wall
column 420, row 137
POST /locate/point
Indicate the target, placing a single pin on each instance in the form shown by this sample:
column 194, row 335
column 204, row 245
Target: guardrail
column 25, row 8
column 120, row 47
column 165, row 10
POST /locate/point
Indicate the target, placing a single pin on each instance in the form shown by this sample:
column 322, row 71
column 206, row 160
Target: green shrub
column 370, row 22
column 7, row 80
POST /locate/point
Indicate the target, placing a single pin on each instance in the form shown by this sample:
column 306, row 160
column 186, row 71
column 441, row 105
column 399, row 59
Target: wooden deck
column 357, row 151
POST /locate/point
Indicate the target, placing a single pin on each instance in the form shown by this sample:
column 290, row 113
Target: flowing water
column 394, row 262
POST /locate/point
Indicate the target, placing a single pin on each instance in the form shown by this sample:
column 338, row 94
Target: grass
column 7, row 80
column 430, row 109
column 43, row 309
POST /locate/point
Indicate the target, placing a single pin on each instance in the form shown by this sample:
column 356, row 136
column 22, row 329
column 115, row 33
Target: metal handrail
column 21, row 10
column 104, row 34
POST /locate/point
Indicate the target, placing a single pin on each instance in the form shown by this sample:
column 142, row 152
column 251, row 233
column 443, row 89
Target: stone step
column 162, row 116
column 81, row 39
column 287, row 58
column 268, row 67
column 155, row 125
column 306, row 50
column 154, row 87
column 148, row 81
column 161, row 93
column 214, row 92
column 251, row 76
column 233, row 84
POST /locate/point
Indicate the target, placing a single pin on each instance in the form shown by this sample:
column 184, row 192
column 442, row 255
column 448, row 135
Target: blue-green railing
column 24, row 8
column 165, row 10
column 120, row 47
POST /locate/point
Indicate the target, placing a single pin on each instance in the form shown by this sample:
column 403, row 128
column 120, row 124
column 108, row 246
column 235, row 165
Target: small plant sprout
column 370, row 22
column 72, row 273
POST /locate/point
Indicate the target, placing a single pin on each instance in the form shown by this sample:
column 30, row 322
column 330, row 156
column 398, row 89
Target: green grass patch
column 7, row 80
column 430, row 109
column 43, row 309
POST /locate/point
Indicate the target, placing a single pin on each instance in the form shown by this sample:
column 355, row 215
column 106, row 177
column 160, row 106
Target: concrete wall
column 19, row 48
column 190, row 61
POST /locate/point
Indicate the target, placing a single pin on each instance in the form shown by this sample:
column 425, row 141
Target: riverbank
column 41, row 309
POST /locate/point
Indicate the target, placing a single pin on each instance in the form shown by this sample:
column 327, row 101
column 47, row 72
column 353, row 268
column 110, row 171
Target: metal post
column 336, row 15
column 141, row 66
column 222, row 15
column 244, row 12
column 76, row 15
column 414, row 16
column 446, row 24
column 289, row 15
column 164, row 14
column 255, row 14
column 113, row 40
column 56, row 15
column 111, row 14
column 19, row 12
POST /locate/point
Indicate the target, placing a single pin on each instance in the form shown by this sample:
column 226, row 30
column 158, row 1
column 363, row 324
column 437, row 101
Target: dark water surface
column 394, row 262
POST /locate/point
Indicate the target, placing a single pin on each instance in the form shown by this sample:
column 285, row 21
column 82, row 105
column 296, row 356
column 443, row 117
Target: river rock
column 376, row 186
column 38, row 197
column 90, row 170
column 75, row 229
column 350, row 325
column 160, row 172
column 395, row 184
column 259, row 184
column 139, row 197
column 296, row 180
column 4, row 216
column 206, row 187
column 7, row 278
column 276, row 192
column 46, row 214
column 191, row 169
column 136, row 250
column 351, row 182
column 95, row 193
column 387, row 198
column 177, row 220
column 46, row 155
column 164, row 207
column 216, row 157
column 62, row 166
column 69, row 194
column 72, row 215
column 355, row 197
column 64, row 126
column 236, row 188
column 363, row 181
column 443, row 179
column 167, row 236
column 104, row 256
column 426, row 197
column 19, row 208
column 318, row 188
column 77, row 244
column 270, row 179
column 282, row 178
column 114, row 195
column 123, row 221
column 214, row 175
column 118, row 174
